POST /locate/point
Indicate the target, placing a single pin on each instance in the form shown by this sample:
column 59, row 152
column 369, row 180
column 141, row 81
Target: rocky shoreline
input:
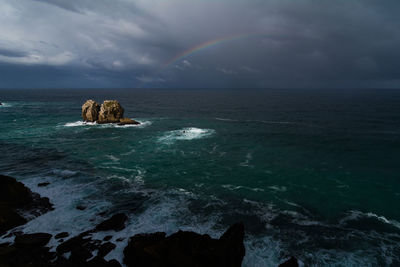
column 183, row 248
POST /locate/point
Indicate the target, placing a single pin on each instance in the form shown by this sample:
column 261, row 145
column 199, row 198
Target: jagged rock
column 15, row 197
column 110, row 112
column 116, row 223
column 99, row 262
column 105, row 249
column 43, row 184
column 127, row 121
column 292, row 262
column 61, row 235
column 80, row 207
column 186, row 249
column 90, row 111
column 32, row 240
column 107, row 238
column 80, row 240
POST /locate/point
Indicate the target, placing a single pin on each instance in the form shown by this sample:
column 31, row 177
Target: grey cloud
column 68, row 5
column 280, row 43
column 11, row 53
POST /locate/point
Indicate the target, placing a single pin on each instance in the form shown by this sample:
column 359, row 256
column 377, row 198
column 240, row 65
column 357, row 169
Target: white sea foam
column 355, row 215
column 278, row 188
column 246, row 163
column 108, row 125
column 79, row 123
column 64, row 173
column 238, row 187
column 224, row 119
column 65, row 195
column 5, row 105
column 129, row 152
column 185, row 134
column 167, row 212
column 113, row 158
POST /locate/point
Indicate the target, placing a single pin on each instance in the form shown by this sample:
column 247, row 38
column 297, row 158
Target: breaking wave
column 185, row 134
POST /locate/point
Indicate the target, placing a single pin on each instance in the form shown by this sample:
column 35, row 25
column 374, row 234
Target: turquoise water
column 311, row 173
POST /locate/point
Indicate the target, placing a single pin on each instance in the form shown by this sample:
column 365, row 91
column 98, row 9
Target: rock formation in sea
column 90, row 111
column 110, row 111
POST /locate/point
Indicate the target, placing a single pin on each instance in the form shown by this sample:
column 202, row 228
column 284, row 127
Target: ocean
column 312, row 173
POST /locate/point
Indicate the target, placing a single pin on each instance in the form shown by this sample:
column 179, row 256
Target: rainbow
column 202, row 46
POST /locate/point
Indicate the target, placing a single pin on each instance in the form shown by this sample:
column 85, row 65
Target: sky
column 199, row 43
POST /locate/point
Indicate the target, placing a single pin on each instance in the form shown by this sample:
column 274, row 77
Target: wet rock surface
column 15, row 199
column 292, row 262
column 32, row 240
column 116, row 223
column 186, row 249
column 182, row 248
column 127, row 121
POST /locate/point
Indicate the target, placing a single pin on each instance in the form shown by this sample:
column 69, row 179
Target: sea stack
column 110, row 111
column 90, row 111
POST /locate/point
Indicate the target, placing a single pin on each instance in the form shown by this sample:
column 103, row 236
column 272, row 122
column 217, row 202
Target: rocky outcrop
column 116, row 223
column 90, row 111
column 16, row 198
column 186, row 249
column 110, row 111
column 30, row 241
column 157, row 249
column 31, row 250
column 127, row 121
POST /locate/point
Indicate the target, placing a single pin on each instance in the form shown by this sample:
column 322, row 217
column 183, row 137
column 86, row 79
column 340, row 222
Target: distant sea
column 312, row 173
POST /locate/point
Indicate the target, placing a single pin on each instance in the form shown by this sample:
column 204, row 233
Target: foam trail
column 79, row 123
column 108, row 125
column 185, row 134
column 355, row 215
column 5, row 105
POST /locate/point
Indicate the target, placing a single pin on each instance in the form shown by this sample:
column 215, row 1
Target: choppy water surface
column 311, row 173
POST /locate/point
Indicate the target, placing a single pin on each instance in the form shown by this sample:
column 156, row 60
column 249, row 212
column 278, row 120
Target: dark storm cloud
column 11, row 53
column 128, row 43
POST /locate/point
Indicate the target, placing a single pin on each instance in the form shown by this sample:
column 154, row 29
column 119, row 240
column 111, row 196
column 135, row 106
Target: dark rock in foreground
column 116, row 223
column 179, row 249
column 61, row 235
column 30, row 241
column 186, row 249
column 292, row 262
column 43, row 184
column 80, row 207
column 16, row 198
